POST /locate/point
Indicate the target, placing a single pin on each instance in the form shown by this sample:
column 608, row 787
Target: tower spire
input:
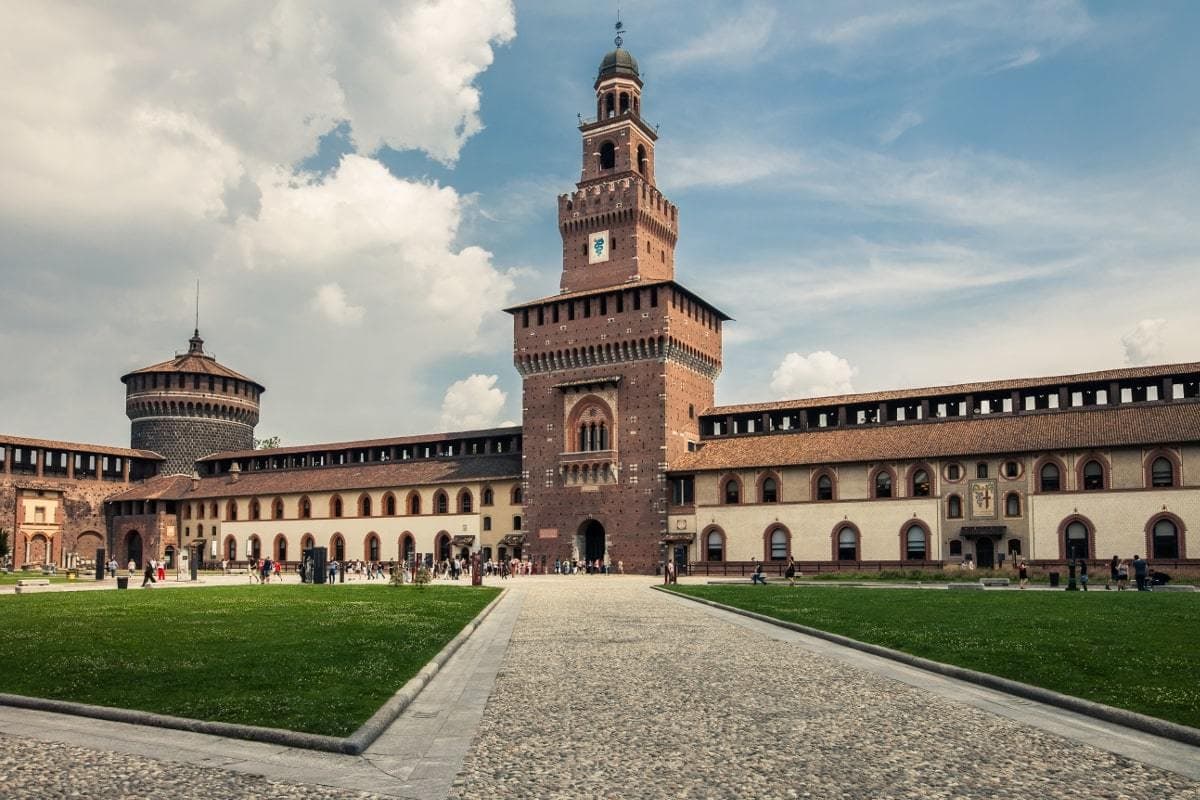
column 618, row 40
column 196, row 344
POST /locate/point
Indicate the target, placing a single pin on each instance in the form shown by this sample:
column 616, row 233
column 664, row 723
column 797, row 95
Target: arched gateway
column 589, row 542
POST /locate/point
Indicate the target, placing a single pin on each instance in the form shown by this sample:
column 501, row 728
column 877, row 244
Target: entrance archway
column 133, row 546
column 985, row 552
column 590, row 540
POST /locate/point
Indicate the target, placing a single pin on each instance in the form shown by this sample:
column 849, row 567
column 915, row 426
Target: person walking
column 790, row 572
column 757, row 576
column 1113, row 566
column 1122, row 576
column 1083, row 573
column 147, row 575
column 1022, row 574
column 162, row 570
column 1141, row 570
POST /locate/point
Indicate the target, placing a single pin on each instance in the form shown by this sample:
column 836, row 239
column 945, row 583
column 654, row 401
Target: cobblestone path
column 620, row 692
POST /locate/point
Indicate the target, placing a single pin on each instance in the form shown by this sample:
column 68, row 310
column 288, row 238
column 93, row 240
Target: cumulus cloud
column 473, row 403
column 1145, row 343
column 818, row 374
column 330, row 302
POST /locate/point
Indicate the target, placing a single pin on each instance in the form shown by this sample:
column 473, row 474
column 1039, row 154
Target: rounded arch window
column 915, row 539
column 779, row 544
column 231, row 549
column 732, row 492
column 1162, row 472
column 489, row 497
column 372, row 548
column 277, row 509
column 920, row 483
column 364, row 506
column 608, row 155
column 441, row 504
column 847, row 544
column 339, row 548
column 1050, row 478
column 883, row 484
column 335, row 507
column 1165, row 541
column 770, row 490
column 414, row 503
column 281, row 549
column 465, row 503
column 389, row 505
column 307, row 542
column 1093, row 476
column 1077, row 540
column 641, row 159
column 715, row 546
column 824, row 488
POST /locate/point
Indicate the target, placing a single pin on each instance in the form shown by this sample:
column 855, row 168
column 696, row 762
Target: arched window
column 199, row 510
column 608, row 155
column 335, row 506
column 1093, row 476
column 1012, row 505
column 921, row 486
column 769, row 491
column 1076, row 540
column 847, row 544
column 305, row 508
column 230, row 511
column 372, row 549
column 465, row 502
column 516, row 522
column 714, row 545
column 731, row 492
column 213, row 510
column 883, row 483
column 307, row 542
column 954, row 507
column 916, row 541
column 337, row 548
column 609, row 104
column 389, row 504
column 487, row 523
column 414, row 503
column 443, row 546
column 364, row 505
column 1050, row 478
column 255, row 509
column 1165, row 540
column 441, row 503
column 624, row 106
column 641, row 159
column 231, row 548
column 778, row 544
column 489, row 497
column 281, row 549
column 1162, row 472
column 408, row 546
column 277, row 508
column 825, row 487
column 518, row 497
column 253, row 548
column 1014, row 547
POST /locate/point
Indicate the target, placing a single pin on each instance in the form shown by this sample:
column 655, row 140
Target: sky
column 881, row 194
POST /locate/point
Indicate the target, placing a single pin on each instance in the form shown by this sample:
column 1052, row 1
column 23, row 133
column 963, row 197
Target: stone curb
column 1117, row 716
column 354, row 744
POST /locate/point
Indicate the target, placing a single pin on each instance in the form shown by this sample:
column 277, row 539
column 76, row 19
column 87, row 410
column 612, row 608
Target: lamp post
column 1071, row 587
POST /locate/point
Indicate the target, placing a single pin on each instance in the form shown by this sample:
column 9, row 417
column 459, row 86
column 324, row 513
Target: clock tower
column 619, row 365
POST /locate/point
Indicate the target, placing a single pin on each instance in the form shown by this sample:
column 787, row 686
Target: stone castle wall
column 183, row 440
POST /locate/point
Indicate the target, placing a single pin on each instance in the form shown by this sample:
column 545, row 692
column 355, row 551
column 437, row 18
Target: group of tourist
column 595, row 566
column 1118, row 573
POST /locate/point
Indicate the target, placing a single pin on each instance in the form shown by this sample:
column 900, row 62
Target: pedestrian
column 790, row 572
column 162, row 570
column 148, row 575
column 1083, row 573
column 333, row 566
column 1112, row 572
column 1022, row 574
column 1122, row 576
column 112, row 567
column 620, row 567
column 757, row 576
column 131, row 566
column 1141, row 571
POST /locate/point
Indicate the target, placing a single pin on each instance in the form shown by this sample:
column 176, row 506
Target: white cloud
column 472, row 403
column 818, row 374
column 1145, row 343
column 330, row 302
column 740, row 38
column 902, row 124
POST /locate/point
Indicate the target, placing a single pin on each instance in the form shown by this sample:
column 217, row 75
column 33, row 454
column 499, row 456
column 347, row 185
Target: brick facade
column 184, row 440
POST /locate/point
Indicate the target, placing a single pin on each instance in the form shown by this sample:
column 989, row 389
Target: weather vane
column 620, row 26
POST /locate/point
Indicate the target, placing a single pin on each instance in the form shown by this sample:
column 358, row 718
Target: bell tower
column 616, row 226
column 618, row 366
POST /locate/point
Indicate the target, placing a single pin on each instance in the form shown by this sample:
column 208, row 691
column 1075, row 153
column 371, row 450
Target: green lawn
column 1139, row 651
column 307, row 658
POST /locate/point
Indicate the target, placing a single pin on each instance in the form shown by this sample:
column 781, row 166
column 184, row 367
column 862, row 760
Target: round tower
column 190, row 407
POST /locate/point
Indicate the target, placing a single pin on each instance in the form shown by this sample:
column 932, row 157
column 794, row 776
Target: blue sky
column 882, row 195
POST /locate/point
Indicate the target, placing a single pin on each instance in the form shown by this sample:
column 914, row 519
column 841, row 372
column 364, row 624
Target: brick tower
column 619, row 365
column 190, row 407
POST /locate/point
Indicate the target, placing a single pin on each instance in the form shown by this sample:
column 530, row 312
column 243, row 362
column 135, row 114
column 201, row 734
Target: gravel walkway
column 625, row 693
column 49, row 770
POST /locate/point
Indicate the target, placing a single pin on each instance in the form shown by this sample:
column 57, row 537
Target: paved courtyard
column 602, row 687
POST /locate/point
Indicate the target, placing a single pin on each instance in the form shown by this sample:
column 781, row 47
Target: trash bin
column 1053, row 579
column 122, row 581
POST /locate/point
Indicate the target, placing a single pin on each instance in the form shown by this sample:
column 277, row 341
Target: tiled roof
column 331, row 479
column 1129, row 373
column 98, row 449
column 195, row 363
column 998, row 434
column 616, row 288
column 332, row 447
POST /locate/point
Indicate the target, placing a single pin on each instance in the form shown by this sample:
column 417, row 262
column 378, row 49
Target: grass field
column 1139, row 651
column 305, row 658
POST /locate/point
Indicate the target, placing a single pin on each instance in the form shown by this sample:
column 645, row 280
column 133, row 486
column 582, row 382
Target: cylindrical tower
column 190, row 407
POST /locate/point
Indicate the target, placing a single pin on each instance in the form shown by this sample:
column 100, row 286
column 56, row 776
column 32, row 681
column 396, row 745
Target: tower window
column 608, row 155
column 641, row 159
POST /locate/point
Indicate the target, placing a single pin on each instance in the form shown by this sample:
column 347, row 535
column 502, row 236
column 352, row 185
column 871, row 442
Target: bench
column 965, row 587
column 993, row 582
column 26, row 584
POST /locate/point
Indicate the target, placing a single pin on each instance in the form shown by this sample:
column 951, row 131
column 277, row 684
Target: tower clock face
column 598, row 245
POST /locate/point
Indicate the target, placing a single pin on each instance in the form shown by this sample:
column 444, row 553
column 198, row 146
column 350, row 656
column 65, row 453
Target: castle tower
column 617, row 367
column 190, row 407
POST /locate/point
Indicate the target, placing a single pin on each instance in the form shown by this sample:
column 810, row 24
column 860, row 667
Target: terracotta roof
column 330, row 479
column 98, row 449
column 1129, row 373
column 328, row 447
column 192, row 363
column 616, row 288
column 999, row 434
